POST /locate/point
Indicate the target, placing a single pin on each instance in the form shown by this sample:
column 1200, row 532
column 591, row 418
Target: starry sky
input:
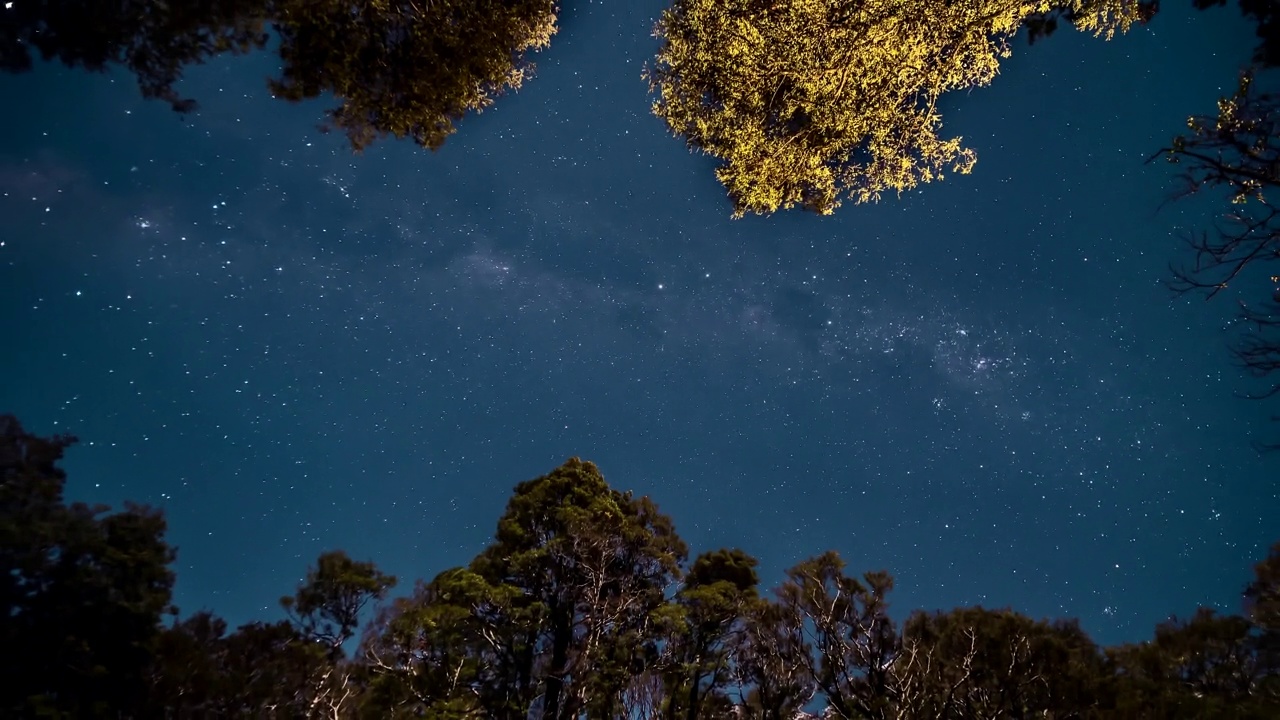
column 982, row 386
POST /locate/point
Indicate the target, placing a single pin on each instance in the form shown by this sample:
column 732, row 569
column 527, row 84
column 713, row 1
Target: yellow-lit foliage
column 809, row 101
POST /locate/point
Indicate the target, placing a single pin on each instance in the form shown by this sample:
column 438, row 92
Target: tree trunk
column 561, row 636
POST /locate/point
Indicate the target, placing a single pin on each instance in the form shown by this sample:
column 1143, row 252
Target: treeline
column 585, row 605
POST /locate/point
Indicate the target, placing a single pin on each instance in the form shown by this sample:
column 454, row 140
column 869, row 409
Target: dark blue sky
column 982, row 386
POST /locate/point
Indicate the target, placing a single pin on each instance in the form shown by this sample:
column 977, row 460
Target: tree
column 289, row 668
column 153, row 40
column 572, row 612
column 767, row 663
column 325, row 610
column 807, row 101
column 595, row 563
column 83, row 590
column 458, row 647
column 1237, row 154
column 973, row 663
column 327, row 605
column 1267, row 15
column 400, row 68
column 1103, row 17
column 700, row 627
column 405, row 68
column 260, row 670
column 1202, row 667
column 553, row 618
column 846, row 623
column 1262, row 607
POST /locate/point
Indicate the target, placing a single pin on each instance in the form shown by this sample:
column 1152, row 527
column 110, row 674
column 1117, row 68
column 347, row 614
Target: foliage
column 581, row 607
column 1104, row 18
column 199, row 671
column 453, row 649
column 700, row 628
column 765, row 663
column 328, row 604
column 1267, row 15
column 806, row 101
column 404, row 68
column 1203, row 667
column 153, row 40
column 83, row 590
column 1236, row 153
column 974, row 663
column 846, row 623
column 401, row 68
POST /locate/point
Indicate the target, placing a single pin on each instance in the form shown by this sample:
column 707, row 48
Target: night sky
column 982, row 386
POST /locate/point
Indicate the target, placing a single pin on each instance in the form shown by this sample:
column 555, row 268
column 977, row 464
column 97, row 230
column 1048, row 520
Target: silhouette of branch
column 1236, row 152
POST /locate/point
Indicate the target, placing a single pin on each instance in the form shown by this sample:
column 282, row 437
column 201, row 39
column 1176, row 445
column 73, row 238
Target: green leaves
column 328, row 603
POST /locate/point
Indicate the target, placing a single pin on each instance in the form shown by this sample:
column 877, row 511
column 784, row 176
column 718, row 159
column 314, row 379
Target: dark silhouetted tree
column 1203, row 667
column 328, row 603
column 153, row 40
column 1262, row 604
column 1266, row 14
column 84, row 591
column 573, row 612
column 406, row 68
column 260, row 670
column 401, row 68
column 975, row 663
column 1236, row 154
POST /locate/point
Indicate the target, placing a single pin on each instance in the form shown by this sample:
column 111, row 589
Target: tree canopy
column 399, row 68
column 403, row 68
column 583, row 606
column 83, row 590
column 806, row 102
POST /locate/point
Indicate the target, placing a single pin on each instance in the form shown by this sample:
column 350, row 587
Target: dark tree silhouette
column 407, row 68
column 1236, row 154
column 328, row 604
column 1266, row 13
column 979, row 663
column 1207, row 666
column 401, row 68
column 153, row 40
column 83, row 591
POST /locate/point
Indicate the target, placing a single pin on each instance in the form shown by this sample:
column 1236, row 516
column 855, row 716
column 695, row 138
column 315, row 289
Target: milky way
column 982, row 386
